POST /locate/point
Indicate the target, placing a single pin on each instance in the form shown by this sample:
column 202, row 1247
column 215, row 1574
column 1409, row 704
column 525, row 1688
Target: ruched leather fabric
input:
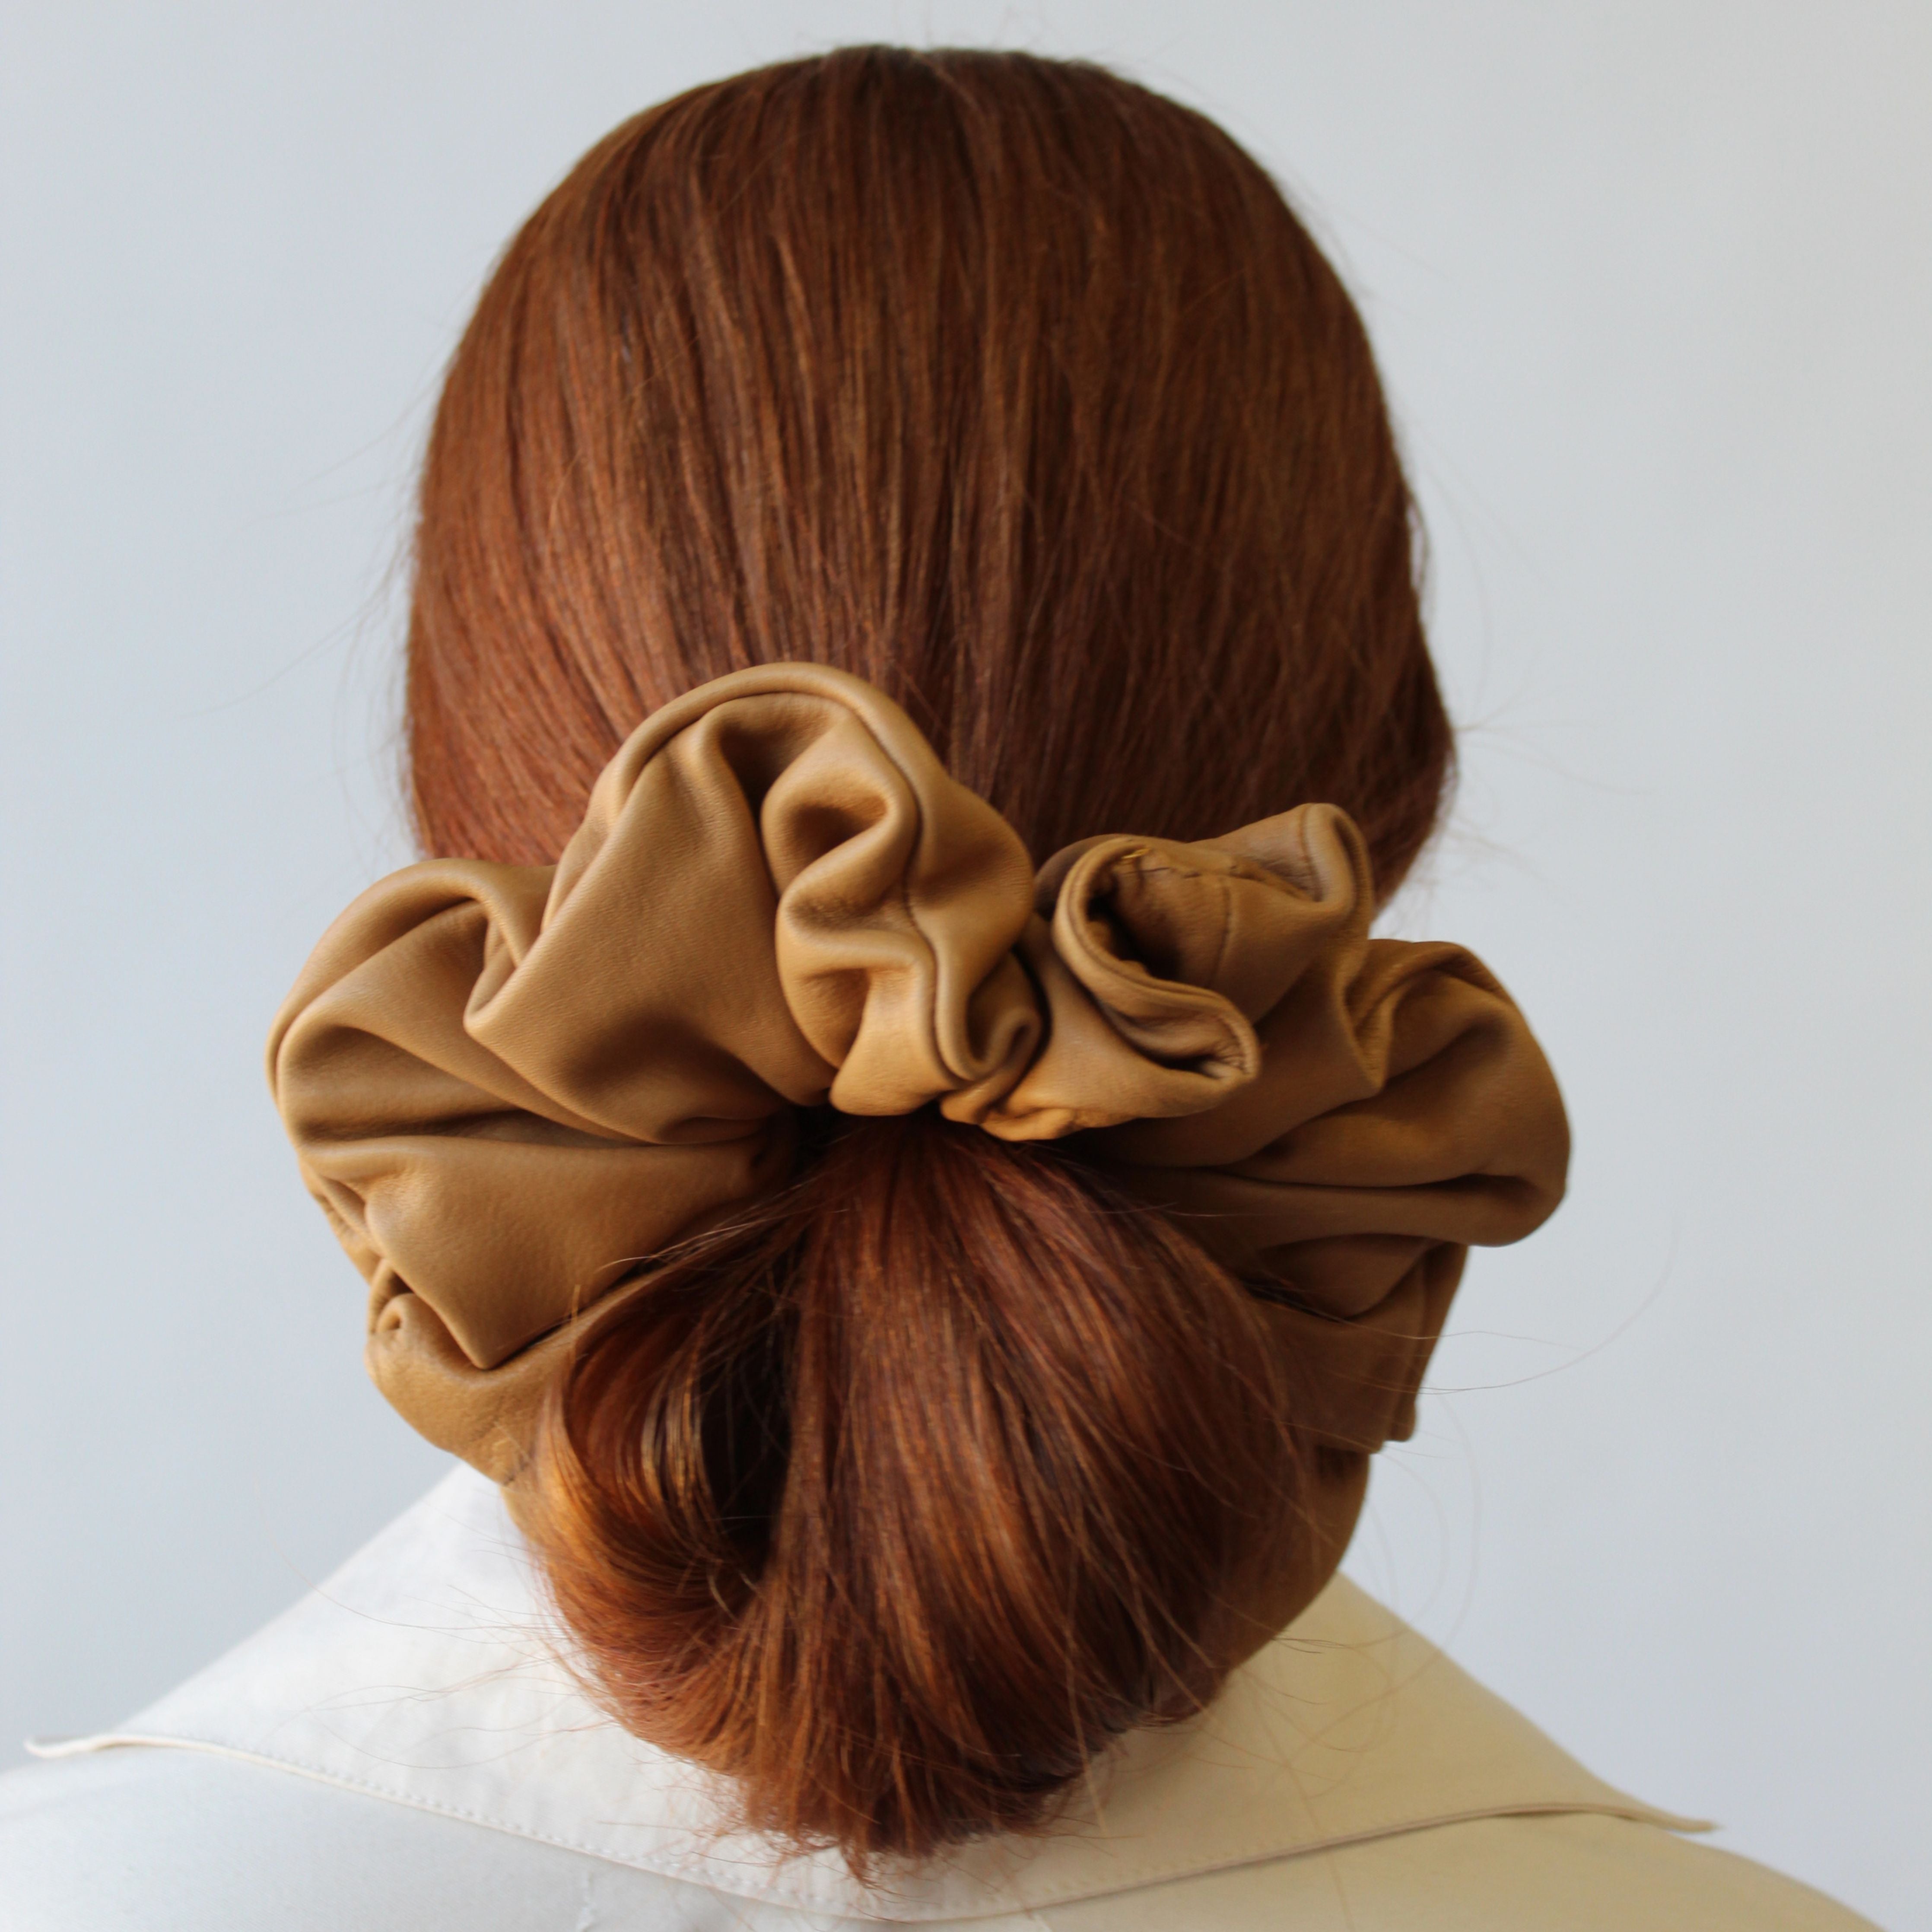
column 511, row 1086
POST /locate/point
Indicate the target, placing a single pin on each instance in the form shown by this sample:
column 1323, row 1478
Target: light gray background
column 1650, row 282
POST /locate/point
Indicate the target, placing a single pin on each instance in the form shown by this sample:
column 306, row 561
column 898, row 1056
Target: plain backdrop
column 1651, row 282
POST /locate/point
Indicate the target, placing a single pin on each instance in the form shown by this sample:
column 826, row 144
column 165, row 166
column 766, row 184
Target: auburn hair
column 1019, row 390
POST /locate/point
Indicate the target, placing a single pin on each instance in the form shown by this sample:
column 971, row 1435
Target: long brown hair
column 1019, row 390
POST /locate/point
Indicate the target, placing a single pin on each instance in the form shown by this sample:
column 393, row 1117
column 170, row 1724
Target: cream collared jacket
column 401, row 1753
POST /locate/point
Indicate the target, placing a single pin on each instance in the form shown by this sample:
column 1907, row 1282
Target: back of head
column 1018, row 392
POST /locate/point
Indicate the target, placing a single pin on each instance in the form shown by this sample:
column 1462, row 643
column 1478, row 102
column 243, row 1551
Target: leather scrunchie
column 511, row 1085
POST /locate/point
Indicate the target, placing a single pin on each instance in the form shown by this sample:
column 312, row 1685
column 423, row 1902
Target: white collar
column 422, row 1671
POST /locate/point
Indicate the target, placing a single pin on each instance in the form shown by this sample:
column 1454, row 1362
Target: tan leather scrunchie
column 510, row 1085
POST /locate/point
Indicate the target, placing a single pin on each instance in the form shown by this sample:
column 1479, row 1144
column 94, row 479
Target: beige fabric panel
column 1579, row 1872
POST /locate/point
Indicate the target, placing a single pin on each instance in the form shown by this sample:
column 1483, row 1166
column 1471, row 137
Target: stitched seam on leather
column 1166, row 866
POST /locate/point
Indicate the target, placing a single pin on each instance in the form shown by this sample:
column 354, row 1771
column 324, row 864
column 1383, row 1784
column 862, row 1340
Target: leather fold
column 510, row 1087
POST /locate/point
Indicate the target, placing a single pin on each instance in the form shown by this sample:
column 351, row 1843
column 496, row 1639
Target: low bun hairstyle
column 1020, row 392
column 899, row 1502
